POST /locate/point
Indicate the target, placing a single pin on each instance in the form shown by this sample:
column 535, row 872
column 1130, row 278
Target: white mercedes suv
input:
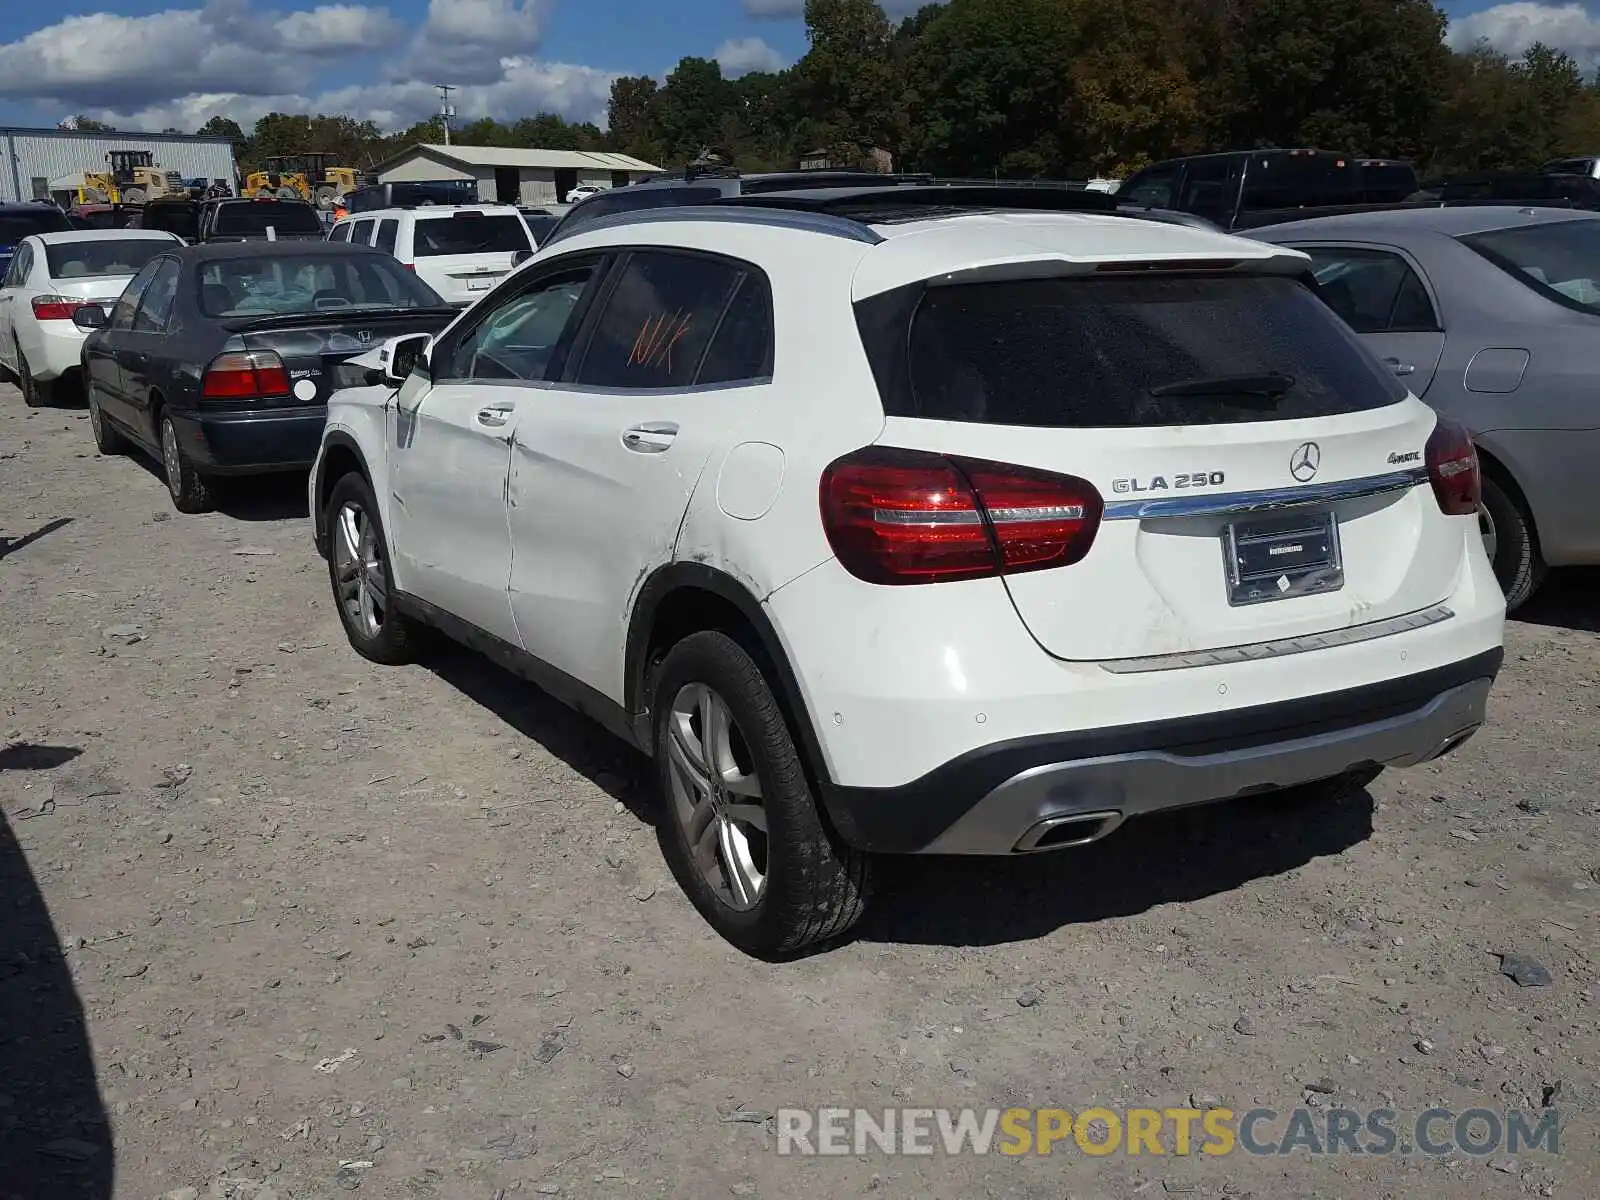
column 905, row 520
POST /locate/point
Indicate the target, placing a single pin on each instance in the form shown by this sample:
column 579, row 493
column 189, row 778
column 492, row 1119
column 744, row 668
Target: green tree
column 689, row 113
column 849, row 93
column 88, row 124
column 628, row 115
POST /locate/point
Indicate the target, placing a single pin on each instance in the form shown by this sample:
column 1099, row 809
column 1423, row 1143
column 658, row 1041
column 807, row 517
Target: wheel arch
column 1494, row 466
column 341, row 454
column 687, row 597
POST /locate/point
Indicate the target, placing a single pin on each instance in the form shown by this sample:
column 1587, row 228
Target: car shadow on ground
column 618, row 770
column 957, row 901
column 1169, row 858
column 1569, row 599
column 275, row 497
column 55, row 1139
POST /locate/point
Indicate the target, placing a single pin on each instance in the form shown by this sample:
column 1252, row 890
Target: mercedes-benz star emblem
column 1305, row 460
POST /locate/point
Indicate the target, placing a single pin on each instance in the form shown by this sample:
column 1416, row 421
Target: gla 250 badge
column 1160, row 483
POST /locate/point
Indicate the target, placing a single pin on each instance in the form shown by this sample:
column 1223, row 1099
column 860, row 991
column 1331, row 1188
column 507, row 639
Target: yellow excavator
column 302, row 177
column 131, row 178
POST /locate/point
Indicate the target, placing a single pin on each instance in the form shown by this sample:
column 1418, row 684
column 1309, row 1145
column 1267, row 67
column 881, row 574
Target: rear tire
column 325, row 198
column 190, row 491
column 133, row 196
column 361, row 578
column 739, row 826
column 1509, row 539
column 35, row 394
column 107, row 439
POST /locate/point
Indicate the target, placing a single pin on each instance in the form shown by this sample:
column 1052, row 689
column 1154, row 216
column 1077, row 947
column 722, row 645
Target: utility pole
column 446, row 111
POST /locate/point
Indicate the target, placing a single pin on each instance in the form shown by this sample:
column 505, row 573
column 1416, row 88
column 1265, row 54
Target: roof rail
column 911, row 201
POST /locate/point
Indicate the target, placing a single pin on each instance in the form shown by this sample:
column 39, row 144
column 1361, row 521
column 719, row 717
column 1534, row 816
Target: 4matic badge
column 1411, row 456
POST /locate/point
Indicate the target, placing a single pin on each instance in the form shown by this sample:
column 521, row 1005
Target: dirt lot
column 288, row 925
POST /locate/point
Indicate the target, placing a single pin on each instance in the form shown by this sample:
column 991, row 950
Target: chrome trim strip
column 1255, row 651
column 1267, row 500
column 786, row 218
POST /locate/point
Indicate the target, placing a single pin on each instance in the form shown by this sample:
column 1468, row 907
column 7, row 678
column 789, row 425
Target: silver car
column 1491, row 314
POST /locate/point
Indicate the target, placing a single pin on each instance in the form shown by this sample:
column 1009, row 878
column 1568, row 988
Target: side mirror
column 89, row 317
column 406, row 355
column 520, row 257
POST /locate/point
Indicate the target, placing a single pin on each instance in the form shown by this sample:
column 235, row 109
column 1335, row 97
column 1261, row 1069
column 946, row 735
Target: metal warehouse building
column 512, row 175
column 37, row 160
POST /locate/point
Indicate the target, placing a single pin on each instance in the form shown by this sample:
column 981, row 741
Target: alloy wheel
column 170, row 457
column 716, row 796
column 363, row 584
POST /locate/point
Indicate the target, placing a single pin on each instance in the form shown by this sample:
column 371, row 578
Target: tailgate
column 1263, row 476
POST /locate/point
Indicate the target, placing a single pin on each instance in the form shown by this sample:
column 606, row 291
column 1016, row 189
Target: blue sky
column 159, row 63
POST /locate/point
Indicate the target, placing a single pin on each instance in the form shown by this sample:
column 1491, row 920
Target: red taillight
column 1453, row 469
column 909, row 516
column 55, row 308
column 245, row 375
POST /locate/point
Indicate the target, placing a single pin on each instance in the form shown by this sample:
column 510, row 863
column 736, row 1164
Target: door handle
column 1398, row 367
column 494, row 415
column 652, row 437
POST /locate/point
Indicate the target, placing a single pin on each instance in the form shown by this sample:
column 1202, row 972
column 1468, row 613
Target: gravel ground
column 288, row 925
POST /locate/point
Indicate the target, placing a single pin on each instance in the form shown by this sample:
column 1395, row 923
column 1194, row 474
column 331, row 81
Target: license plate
column 481, row 285
column 1279, row 557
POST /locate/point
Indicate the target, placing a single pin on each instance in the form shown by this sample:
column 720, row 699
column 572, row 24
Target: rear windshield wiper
column 1268, row 387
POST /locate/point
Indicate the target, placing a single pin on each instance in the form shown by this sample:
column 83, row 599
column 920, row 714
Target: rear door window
column 469, row 233
column 659, row 320
column 156, row 307
column 1375, row 291
column 1119, row 353
column 362, row 235
column 387, row 229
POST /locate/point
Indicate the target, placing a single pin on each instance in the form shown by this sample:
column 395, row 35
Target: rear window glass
column 14, row 226
column 254, row 217
column 260, row 286
column 469, row 233
column 1117, row 353
column 181, row 219
column 102, row 256
column 1559, row 260
column 1296, row 180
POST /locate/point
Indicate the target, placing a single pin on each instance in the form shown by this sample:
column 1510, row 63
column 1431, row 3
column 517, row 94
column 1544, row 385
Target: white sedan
column 51, row 275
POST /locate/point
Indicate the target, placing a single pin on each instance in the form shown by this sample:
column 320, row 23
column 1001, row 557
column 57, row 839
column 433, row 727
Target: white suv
column 887, row 525
column 459, row 250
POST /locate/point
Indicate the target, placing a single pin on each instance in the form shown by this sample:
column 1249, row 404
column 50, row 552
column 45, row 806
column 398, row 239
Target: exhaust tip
column 1454, row 741
column 1066, row 830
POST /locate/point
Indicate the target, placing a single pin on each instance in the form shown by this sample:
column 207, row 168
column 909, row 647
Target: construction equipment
column 302, row 177
column 133, row 177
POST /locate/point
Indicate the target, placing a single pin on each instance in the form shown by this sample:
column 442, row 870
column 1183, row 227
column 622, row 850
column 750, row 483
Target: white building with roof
column 512, row 175
column 36, row 161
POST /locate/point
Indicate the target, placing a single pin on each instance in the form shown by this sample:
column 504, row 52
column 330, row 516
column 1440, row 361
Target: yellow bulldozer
column 131, row 177
column 302, row 177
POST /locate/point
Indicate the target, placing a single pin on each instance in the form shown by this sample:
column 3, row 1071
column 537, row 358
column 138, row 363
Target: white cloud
column 1512, row 28
column 463, row 41
column 109, row 61
column 740, row 56
column 525, row 87
column 179, row 67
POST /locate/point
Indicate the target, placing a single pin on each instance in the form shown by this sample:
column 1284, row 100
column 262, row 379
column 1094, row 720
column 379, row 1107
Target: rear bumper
column 54, row 348
column 252, row 443
column 1075, row 787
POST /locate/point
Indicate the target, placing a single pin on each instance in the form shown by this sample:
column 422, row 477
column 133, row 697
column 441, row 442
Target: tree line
column 1062, row 89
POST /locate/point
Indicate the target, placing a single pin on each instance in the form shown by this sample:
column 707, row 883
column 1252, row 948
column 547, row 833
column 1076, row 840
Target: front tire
column 1508, row 538
column 358, row 571
column 741, row 829
column 190, row 492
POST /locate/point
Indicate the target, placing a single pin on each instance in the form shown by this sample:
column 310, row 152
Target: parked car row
column 884, row 519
